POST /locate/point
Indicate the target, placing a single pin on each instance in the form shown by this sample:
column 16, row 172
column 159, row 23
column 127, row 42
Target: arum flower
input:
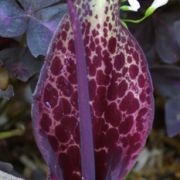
column 133, row 6
column 93, row 104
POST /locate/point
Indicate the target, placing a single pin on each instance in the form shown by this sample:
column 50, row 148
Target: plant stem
column 12, row 133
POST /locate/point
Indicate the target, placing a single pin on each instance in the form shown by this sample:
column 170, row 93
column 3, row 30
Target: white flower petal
column 134, row 5
column 158, row 3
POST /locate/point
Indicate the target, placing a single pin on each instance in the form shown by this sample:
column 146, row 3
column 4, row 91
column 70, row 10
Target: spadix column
column 99, row 13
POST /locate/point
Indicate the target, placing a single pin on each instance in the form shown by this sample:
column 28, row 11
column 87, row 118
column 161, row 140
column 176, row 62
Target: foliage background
column 26, row 28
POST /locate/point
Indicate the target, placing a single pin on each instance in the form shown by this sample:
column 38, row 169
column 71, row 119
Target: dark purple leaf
column 166, row 40
column 40, row 19
column 41, row 28
column 51, row 16
column 13, row 21
column 172, row 110
column 38, row 37
column 37, row 4
column 167, row 80
column 20, row 63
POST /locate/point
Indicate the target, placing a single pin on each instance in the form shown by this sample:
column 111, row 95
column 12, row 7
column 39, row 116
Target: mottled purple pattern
column 121, row 99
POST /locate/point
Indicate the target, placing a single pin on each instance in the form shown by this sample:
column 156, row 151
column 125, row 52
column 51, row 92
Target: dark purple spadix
column 93, row 105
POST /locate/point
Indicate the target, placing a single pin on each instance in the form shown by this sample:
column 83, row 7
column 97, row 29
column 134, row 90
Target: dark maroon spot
column 101, row 78
column 67, row 165
column 64, row 35
column 139, row 126
column 92, row 89
column 53, row 141
column 101, row 92
column 72, row 78
column 99, row 105
column 67, row 26
column 101, row 158
column 125, row 70
column 119, row 61
column 115, row 155
column 88, row 52
column 142, row 96
column 108, row 65
column 95, row 32
column 122, row 88
column 62, row 134
column 136, row 57
column 112, row 91
column 126, row 125
column 124, row 140
column 45, row 122
column 133, row 148
column 77, row 134
column 112, row 115
column 100, row 164
column 115, row 75
column 71, row 46
column 69, row 122
column 134, row 138
column 74, row 153
column 105, row 23
column 71, row 67
column 59, row 45
column 97, row 41
column 106, row 10
column 50, row 96
column 74, row 100
column 105, row 30
column 142, row 111
column 64, row 85
column 56, row 66
column 76, row 177
column 133, row 71
column 86, row 41
column 104, row 41
column 141, row 81
column 130, row 42
column 110, row 26
column 62, row 109
column 129, row 104
column 99, row 126
column 92, row 69
column 112, row 136
column 92, row 46
column 148, row 90
column 129, row 59
column 112, row 44
column 107, row 18
column 100, row 141
column 65, row 105
column 97, row 61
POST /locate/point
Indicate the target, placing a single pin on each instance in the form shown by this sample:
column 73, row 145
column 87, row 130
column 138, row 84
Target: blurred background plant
column 26, row 28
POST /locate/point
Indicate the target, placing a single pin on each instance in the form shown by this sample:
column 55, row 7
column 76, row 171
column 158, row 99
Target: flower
column 158, row 3
column 155, row 5
column 134, row 5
